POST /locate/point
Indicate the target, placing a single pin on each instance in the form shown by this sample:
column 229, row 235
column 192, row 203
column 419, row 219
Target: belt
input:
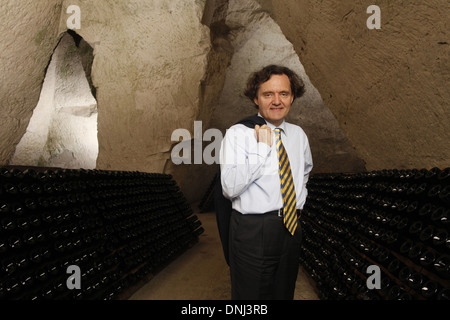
column 279, row 212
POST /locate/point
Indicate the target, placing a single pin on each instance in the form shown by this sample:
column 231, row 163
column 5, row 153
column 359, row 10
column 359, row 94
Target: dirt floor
column 201, row 273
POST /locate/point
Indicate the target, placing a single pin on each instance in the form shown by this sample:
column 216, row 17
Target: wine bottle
column 432, row 175
column 440, row 217
column 427, row 259
column 443, row 177
column 442, row 266
column 417, row 191
column 419, row 175
column 412, row 209
column 393, row 240
column 8, row 223
column 444, row 294
column 444, row 195
column 384, row 257
column 386, row 283
column 415, row 229
column 396, row 292
column 3, row 245
column 427, row 234
column 440, row 237
column 403, row 226
column 8, row 266
column 426, row 210
column 416, row 251
column 13, row 287
column 434, row 193
column 416, row 280
column 15, row 242
column 395, row 266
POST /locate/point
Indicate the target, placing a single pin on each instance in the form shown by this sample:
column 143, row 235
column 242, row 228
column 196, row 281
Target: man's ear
column 255, row 100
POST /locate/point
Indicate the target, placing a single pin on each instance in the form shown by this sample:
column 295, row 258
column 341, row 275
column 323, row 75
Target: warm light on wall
column 63, row 129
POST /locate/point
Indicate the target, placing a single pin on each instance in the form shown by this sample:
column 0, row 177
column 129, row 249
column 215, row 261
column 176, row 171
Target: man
column 264, row 238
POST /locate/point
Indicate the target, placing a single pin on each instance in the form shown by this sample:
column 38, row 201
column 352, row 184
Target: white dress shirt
column 249, row 169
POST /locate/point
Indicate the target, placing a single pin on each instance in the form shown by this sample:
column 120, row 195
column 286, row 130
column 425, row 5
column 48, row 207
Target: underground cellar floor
column 201, row 273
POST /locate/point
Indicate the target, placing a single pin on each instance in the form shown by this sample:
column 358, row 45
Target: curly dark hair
column 259, row 77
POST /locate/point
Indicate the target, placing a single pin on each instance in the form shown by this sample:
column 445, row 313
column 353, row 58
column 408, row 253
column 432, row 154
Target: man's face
column 275, row 98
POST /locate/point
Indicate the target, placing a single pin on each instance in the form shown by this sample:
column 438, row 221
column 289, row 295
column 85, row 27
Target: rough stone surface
column 28, row 36
column 194, row 179
column 63, row 129
column 161, row 65
column 245, row 39
column 259, row 41
column 150, row 58
column 388, row 88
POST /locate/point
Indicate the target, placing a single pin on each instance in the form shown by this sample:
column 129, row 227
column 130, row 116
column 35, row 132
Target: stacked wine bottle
column 394, row 220
column 116, row 228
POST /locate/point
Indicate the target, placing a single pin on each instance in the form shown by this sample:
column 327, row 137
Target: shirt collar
column 282, row 126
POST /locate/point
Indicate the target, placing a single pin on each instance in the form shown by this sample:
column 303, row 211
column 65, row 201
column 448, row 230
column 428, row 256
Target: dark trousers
column 264, row 257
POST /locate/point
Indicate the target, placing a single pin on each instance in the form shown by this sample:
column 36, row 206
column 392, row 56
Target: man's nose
column 276, row 99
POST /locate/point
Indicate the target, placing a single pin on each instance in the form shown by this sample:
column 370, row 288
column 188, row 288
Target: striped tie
column 287, row 186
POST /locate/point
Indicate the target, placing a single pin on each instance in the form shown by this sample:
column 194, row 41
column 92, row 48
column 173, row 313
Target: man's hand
column 264, row 134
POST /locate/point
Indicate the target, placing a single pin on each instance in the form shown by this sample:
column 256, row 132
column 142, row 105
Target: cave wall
column 63, row 129
column 258, row 41
column 244, row 39
column 29, row 32
column 149, row 61
column 380, row 96
column 150, row 58
column 388, row 87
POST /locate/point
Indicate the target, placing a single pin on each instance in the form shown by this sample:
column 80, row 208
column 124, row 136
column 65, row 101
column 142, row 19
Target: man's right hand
column 264, row 134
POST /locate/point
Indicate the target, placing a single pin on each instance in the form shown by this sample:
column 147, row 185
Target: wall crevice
column 62, row 131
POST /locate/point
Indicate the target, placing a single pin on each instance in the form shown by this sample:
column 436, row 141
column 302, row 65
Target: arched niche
column 62, row 131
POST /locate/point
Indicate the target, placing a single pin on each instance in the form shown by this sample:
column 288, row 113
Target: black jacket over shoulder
column 223, row 205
